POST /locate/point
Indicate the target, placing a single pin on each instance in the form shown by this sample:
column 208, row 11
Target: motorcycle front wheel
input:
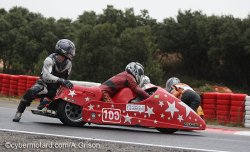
column 70, row 114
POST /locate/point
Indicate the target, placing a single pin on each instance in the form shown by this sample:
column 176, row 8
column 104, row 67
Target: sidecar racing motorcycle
column 162, row 111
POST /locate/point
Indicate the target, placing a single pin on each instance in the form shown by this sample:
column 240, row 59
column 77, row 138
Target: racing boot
column 20, row 109
column 17, row 117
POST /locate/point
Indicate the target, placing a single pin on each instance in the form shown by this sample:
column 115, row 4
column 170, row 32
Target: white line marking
column 244, row 133
column 113, row 141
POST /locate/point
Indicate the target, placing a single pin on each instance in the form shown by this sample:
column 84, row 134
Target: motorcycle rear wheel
column 70, row 114
column 167, row 130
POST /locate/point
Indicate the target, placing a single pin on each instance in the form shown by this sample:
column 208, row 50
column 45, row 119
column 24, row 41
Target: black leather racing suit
column 47, row 85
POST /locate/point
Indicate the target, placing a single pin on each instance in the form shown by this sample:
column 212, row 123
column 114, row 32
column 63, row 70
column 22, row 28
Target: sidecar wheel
column 70, row 114
column 167, row 130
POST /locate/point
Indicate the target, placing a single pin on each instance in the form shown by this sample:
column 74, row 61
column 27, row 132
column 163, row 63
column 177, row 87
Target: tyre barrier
column 223, row 107
column 237, row 108
column 247, row 112
column 5, row 84
column 208, row 104
column 13, row 85
column 226, row 108
column 22, row 80
column 17, row 85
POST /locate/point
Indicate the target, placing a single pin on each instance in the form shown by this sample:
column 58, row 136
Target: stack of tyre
column 22, row 85
column 247, row 112
column 13, row 85
column 223, row 108
column 31, row 80
column 5, row 84
column 209, row 105
column 1, row 77
column 237, row 108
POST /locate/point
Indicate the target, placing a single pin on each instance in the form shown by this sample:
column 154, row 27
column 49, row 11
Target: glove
column 65, row 83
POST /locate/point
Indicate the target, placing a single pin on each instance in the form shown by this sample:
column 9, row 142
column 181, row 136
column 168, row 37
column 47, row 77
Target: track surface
column 215, row 138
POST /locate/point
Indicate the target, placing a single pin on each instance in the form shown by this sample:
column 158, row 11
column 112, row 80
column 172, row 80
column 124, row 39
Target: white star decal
column 180, row 118
column 155, row 122
column 139, row 121
column 145, row 116
column 195, row 119
column 188, row 109
column 87, row 99
column 98, row 106
column 89, row 119
column 162, row 115
column 161, row 103
column 134, row 114
column 165, row 95
column 112, row 106
column 127, row 119
column 171, row 108
column 150, row 111
column 169, row 118
column 72, row 93
column 99, row 115
column 123, row 111
column 91, row 107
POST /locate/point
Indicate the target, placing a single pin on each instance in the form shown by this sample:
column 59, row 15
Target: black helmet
column 136, row 69
column 65, row 48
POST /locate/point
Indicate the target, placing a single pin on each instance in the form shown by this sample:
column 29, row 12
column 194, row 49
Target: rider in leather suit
column 131, row 78
column 55, row 72
column 184, row 92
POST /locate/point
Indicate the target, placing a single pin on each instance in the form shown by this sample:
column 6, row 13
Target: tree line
column 194, row 45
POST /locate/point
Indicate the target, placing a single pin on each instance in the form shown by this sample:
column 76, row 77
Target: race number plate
column 111, row 115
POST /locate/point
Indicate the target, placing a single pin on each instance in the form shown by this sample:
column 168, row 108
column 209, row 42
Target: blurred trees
column 215, row 48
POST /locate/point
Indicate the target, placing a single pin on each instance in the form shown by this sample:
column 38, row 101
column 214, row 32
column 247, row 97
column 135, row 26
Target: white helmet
column 145, row 80
column 136, row 69
column 171, row 81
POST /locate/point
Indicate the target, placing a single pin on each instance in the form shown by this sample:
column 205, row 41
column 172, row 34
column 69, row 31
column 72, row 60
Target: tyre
column 239, row 97
column 247, row 98
column 208, row 106
column 209, row 101
column 223, row 107
column 247, row 117
column 167, row 130
column 222, row 112
column 247, row 125
column 247, row 103
column 223, row 96
column 70, row 114
column 237, row 103
column 223, row 102
column 209, row 95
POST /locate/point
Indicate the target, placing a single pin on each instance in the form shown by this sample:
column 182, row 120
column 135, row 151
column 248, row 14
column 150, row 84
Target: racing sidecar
column 161, row 110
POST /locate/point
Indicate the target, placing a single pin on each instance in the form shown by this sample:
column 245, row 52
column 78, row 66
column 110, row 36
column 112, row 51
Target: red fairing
column 124, row 96
column 79, row 94
column 160, row 110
